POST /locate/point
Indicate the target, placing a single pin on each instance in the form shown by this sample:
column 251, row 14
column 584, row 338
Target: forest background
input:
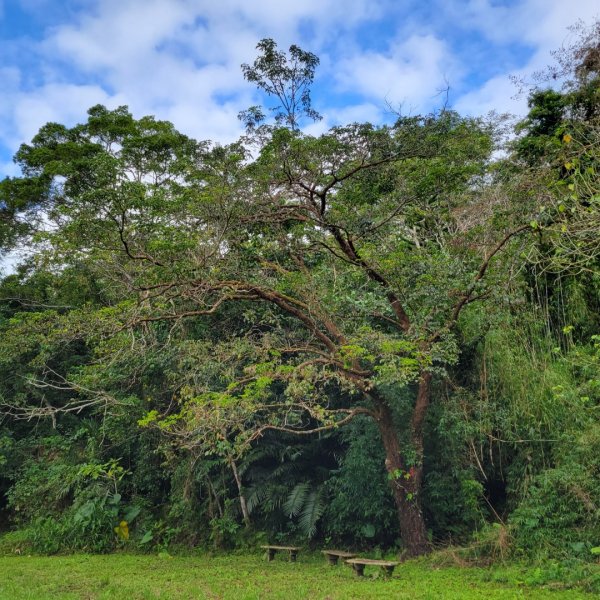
column 377, row 336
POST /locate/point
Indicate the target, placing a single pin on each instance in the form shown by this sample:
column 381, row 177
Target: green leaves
column 287, row 78
column 308, row 504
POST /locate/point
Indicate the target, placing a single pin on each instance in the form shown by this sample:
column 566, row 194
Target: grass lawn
column 248, row 576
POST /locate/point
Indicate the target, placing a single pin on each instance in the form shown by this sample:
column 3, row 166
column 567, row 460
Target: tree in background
column 288, row 79
column 557, row 513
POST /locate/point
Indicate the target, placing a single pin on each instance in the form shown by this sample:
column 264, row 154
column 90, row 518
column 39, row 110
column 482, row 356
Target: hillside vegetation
column 384, row 336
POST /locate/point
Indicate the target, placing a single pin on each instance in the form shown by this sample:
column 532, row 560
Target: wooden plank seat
column 359, row 564
column 271, row 550
column 334, row 555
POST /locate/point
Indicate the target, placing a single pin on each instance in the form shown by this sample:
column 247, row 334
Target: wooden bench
column 359, row 564
column 271, row 550
column 334, row 555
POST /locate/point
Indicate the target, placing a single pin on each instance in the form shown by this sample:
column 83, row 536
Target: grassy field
column 245, row 577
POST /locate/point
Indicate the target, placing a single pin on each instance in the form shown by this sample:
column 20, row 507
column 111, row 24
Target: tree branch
column 468, row 295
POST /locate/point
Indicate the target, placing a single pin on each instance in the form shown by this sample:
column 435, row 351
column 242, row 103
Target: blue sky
column 180, row 59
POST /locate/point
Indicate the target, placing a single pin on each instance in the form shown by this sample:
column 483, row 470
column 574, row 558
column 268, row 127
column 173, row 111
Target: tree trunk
column 242, row 497
column 406, row 482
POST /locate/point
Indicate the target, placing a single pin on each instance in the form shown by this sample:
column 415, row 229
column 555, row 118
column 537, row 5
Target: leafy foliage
column 376, row 335
column 559, row 514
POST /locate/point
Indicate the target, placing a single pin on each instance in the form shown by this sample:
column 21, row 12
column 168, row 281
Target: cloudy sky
column 180, row 59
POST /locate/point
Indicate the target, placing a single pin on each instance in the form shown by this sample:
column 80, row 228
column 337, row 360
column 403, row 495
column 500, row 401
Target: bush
column 560, row 513
column 361, row 508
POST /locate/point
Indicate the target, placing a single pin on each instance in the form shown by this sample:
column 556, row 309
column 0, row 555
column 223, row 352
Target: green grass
column 245, row 577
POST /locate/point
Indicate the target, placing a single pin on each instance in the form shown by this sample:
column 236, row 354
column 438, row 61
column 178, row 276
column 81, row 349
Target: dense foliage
column 376, row 336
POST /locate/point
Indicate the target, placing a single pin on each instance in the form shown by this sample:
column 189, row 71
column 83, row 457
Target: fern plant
column 287, row 482
column 306, row 502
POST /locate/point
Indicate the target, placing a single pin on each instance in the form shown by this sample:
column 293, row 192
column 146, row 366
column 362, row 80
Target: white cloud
column 10, row 80
column 55, row 102
column 180, row 59
column 497, row 94
column 357, row 113
column 119, row 33
column 542, row 24
column 409, row 73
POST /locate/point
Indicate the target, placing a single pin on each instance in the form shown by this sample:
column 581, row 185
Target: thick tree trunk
column 406, row 482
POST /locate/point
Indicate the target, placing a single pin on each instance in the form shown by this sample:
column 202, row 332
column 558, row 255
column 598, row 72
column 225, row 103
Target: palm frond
column 295, row 501
column 313, row 508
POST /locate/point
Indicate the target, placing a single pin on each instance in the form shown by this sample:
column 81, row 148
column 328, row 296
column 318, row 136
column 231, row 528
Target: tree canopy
column 239, row 305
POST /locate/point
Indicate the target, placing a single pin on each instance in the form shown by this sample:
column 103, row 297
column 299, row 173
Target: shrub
column 560, row 512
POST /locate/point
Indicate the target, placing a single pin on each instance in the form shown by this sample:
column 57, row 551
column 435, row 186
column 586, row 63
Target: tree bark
column 405, row 483
column 241, row 496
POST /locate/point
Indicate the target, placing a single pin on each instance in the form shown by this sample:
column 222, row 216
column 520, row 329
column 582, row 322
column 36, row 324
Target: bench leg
column 387, row 571
column 332, row 559
column 293, row 556
column 359, row 569
column 270, row 555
